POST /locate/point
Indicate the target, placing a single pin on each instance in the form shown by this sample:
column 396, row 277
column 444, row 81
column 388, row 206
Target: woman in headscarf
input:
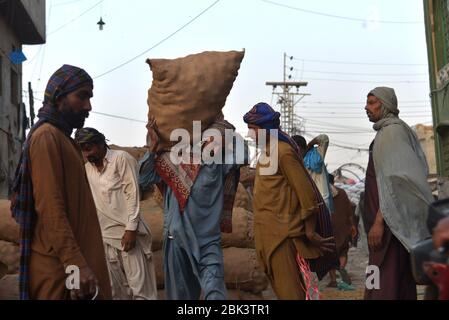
column 286, row 206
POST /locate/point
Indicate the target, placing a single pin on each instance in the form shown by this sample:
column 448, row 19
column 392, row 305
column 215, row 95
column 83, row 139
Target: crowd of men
column 77, row 204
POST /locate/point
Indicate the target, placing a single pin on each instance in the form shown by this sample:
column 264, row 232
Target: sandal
column 345, row 276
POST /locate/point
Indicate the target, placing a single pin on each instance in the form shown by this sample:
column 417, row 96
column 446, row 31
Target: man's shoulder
column 285, row 148
column 391, row 133
column 46, row 129
column 395, row 127
column 46, row 133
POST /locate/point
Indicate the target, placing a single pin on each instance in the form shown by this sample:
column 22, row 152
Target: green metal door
column 437, row 33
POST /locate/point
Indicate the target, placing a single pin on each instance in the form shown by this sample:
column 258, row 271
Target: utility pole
column 290, row 122
column 31, row 101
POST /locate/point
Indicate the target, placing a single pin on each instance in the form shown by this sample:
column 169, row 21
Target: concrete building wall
column 36, row 12
column 21, row 22
column 427, row 139
column 10, row 101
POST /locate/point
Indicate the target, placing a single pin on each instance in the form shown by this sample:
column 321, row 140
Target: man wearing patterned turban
column 52, row 201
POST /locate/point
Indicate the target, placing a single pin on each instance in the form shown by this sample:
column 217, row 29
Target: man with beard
column 62, row 253
column 112, row 176
column 397, row 196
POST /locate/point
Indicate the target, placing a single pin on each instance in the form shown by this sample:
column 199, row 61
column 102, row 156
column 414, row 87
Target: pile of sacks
column 9, row 253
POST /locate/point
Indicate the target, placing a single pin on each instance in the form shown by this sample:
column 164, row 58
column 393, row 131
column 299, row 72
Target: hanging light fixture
column 101, row 23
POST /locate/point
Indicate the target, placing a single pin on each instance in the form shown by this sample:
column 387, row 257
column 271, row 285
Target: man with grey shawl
column 396, row 198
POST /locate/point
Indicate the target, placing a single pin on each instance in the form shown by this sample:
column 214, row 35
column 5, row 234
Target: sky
column 343, row 49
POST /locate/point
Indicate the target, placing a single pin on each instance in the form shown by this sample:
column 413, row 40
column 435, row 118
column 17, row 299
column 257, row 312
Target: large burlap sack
column 159, row 268
column 153, row 215
column 242, row 226
column 158, row 197
column 9, row 287
column 242, row 199
column 136, row 152
column 242, row 270
column 10, row 256
column 247, row 176
column 190, row 88
column 9, row 229
column 3, row 270
column 242, row 235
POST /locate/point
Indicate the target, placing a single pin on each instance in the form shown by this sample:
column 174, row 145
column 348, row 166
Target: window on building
column 14, row 87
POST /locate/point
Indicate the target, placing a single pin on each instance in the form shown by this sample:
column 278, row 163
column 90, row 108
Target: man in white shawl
column 397, row 196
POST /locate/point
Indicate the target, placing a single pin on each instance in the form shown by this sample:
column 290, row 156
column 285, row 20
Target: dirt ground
column 357, row 262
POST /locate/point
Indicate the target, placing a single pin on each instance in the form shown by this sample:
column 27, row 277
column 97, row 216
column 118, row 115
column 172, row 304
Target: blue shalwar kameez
column 193, row 259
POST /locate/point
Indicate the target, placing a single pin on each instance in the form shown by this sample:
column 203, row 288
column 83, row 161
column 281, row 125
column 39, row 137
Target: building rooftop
column 26, row 18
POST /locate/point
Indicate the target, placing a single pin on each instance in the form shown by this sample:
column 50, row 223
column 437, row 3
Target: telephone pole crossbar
column 290, row 122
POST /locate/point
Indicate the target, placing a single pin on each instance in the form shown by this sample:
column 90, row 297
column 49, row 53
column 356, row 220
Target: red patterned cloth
column 180, row 178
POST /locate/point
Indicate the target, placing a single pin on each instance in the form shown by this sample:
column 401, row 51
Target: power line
column 328, row 124
column 359, row 110
column 338, row 130
column 370, row 74
column 365, row 81
column 117, row 117
column 356, row 130
column 352, row 145
column 339, row 145
column 360, row 106
column 45, row 47
column 74, row 19
column 360, row 118
column 67, row 3
column 340, row 17
column 159, row 43
column 338, row 113
column 315, row 131
column 361, row 63
column 106, row 114
column 35, row 56
column 348, row 148
column 358, row 102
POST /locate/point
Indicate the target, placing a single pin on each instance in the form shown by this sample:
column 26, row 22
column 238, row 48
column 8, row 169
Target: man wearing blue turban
column 292, row 227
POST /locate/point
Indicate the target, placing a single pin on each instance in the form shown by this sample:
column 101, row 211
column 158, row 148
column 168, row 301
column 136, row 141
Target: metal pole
column 31, row 99
column 284, row 108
